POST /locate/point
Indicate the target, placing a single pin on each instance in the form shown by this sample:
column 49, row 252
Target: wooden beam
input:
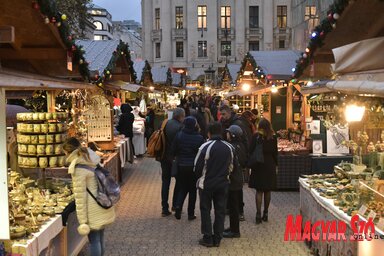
column 56, row 33
column 33, row 54
column 324, row 57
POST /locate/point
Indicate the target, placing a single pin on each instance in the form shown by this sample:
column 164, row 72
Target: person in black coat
column 185, row 147
column 126, row 120
column 234, row 134
column 263, row 175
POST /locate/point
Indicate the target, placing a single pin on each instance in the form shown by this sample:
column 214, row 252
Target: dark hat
column 190, row 122
column 235, row 130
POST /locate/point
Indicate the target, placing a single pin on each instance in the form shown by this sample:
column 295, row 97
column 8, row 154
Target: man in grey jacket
column 172, row 127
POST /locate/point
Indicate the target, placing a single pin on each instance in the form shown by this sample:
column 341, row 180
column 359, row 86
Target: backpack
column 108, row 190
column 156, row 143
column 241, row 152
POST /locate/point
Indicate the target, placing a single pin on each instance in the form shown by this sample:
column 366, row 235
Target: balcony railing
column 179, row 33
column 156, row 35
column 254, row 33
column 282, row 31
column 226, row 33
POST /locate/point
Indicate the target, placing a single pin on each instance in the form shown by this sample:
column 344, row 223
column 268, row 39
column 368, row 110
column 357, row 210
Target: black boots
column 265, row 216
column 258, row 218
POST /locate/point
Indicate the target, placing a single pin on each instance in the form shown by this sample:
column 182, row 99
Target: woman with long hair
column 92, row 217
column 263, row 176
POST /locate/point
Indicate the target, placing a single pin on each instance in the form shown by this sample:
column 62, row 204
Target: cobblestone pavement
column 140, row 230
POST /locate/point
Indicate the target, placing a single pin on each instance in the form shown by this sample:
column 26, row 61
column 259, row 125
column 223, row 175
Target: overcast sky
column 122, row 9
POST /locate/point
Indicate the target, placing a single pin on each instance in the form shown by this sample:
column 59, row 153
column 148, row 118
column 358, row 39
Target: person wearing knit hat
column 185, row 147
column 190, row 122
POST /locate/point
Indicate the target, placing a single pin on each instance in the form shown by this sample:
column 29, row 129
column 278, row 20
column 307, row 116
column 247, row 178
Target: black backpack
column 241, row 152
column 108, row 190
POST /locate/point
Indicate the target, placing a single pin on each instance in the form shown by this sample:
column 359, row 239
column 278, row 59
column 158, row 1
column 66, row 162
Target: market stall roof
column 241, row 92
column 130, row 87
column 17, row 80
column 98, row 53
column 32, row 41
column 360, row 69
column 138, row 66
column 233, row 71
column 159, row 75
column 276, row 64
column 356, row 21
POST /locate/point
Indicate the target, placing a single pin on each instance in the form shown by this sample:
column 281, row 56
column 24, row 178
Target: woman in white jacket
column 91, row 216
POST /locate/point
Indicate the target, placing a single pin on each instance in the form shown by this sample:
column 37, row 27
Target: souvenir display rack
column 99, row 118
column 40, row 138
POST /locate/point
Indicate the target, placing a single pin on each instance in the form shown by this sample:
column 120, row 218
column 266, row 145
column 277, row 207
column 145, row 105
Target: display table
column 290, row 167
column 41, row 240
column 314, row 207
column 324, row 163
column 113, row 165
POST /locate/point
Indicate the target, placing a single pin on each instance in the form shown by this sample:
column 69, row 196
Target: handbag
column 175, row 167
column 257, row 155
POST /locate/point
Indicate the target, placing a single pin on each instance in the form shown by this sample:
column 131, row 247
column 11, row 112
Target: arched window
column 99, row 25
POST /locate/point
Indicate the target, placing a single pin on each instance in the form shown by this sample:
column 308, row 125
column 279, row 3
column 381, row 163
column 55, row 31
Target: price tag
column 372, row 215
column 380, row 224
column 362, row 210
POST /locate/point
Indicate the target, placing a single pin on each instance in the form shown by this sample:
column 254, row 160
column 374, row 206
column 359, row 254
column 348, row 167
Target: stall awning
column 251, row 91
column 348, row 87
column 16, row 80
column 132, row 87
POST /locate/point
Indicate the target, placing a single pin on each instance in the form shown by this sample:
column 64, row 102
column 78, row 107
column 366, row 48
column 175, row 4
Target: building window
column 157, row 53
column 157, row 18
column 202, row 49
column 311, row 16
column 253, row 16
column 97, row 37
column 202, row 17
column 225, row 17
column 281, row 44
column 254, row 46
column 226, row 48
column 179, row 49
column 281, row 16
column 99, row 25
column 179, row 17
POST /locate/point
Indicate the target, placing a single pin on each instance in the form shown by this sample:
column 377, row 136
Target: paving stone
column 139, row 228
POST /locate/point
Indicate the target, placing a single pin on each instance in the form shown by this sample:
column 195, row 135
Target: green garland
column 146, row 72
column 258, row 72
column 169, row 77
column 49, row 12
column 121, row 50
column 318, row 35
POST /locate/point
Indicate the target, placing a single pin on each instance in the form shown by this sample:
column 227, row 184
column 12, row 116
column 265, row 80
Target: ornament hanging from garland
column 318, row 35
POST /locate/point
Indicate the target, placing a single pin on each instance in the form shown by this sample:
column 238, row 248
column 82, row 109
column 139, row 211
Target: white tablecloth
column 41, row 239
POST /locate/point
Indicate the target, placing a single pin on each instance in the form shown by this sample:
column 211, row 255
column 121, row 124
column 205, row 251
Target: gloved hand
column 83, row 229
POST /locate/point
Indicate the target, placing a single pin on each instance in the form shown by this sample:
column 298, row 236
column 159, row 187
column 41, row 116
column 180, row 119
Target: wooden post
column 4, row 216
column 289, row 120
column 51, row 101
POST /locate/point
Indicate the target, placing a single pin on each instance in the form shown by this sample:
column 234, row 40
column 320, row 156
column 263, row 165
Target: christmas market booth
column 264, row 84
column 42, row 65
column 348, row 110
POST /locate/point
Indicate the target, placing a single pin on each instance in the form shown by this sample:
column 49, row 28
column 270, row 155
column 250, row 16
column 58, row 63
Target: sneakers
column 231, row 234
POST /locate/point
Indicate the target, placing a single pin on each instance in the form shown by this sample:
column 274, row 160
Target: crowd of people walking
column 210, row 150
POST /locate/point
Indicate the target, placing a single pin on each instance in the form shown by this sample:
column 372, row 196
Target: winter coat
column 213, row 169
column 125, row 125
column 236, row 177
column 89, row 213
column 186, row 145
column 263, row 175
column 172, row 127
column 240, row 121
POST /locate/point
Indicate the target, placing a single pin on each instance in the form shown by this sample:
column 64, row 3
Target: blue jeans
column 166, row 167
column 96, row 242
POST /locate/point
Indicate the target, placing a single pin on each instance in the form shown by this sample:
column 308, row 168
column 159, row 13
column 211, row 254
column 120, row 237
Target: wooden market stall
column 37, row 53
column 345, row 50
